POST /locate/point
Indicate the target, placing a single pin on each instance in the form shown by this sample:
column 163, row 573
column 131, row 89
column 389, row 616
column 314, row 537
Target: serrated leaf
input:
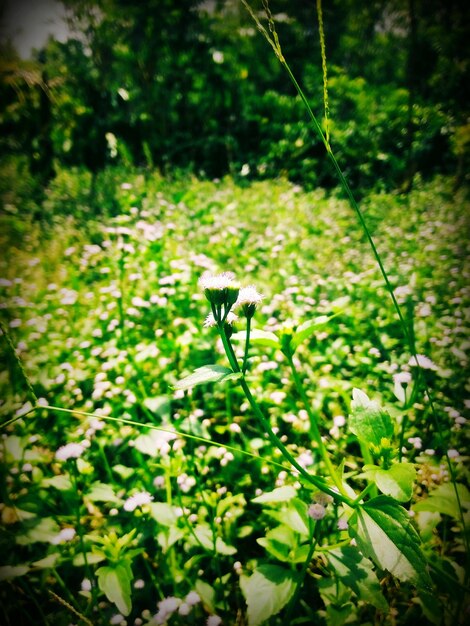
column 207, row 374
column 368, row 421
column 115, row 583
column 259, row 337
column 266, row 592
column 281, row 494
column 444, row 500
column 384, row 533
column 357, row 574
column 396, row 482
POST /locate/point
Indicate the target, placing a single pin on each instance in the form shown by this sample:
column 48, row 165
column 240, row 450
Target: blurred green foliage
column 193, row 86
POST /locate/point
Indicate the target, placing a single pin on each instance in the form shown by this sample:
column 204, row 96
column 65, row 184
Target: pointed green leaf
column 357, row 574
column 115, row 583
column 281, row 494
column 266, row 592
column 396, row 482
column 259, row 337
column 384, row 533
column 368, row 421
column 444, row 500
column 207, row 374
column 306, row 330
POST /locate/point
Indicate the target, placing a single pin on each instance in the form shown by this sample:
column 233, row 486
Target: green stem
column 169, row 500
column 247, row 344
column 18, row 362
column 314, row 429
column 319, row 483
column 89, row 572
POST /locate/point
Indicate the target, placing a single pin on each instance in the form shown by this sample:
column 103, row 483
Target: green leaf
column 396, row 482
column 91, row 558
column 61, row 482
column 102, row 492
column 384, row 533
column 306, row 330
column 45, row 530
column 368, row 421
column 115, row 582
column 266, row 592
column 207, row 594
column 279, row 542
column 259, row 337
column 206, row 539
column 357, row 574
column 160, row 405
column 281, row 494
column 163, row 513
column 47, row 561
column 12, row 571
column 444, row 500
column 207, row 374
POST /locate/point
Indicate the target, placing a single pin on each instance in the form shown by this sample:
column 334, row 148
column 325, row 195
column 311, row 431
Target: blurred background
column 191, row 87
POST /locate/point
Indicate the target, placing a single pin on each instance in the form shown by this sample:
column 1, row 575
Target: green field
column 106, row 315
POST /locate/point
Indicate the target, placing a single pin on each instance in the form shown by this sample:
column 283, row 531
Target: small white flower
column 66, row 534
column 423, row 361
column 339, row 421
column 116, row 619
column 69, row 451
column 213, row 620
column 138, row 499
column 192, row 598
column 218, row 57
column 184, row 609
column 248, row 295
column 453, row 454
column 216, row 281
column 316, row 511
column 402, row 378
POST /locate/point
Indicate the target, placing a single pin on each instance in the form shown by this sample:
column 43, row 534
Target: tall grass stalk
column 274, row 42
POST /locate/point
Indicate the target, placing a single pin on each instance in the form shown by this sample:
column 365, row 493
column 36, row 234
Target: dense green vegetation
column 171, row 85
column 108, row 316
column 229, row 394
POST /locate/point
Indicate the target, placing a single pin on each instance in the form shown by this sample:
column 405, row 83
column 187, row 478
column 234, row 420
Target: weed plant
column 245, row 422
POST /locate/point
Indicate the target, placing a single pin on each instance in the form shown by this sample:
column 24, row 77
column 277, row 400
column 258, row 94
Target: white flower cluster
column 69, row 451
column 138, row 499
column 171, row 604
column 223, row 291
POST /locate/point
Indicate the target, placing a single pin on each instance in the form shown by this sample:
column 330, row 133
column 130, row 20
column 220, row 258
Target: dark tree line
column 193, row 85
